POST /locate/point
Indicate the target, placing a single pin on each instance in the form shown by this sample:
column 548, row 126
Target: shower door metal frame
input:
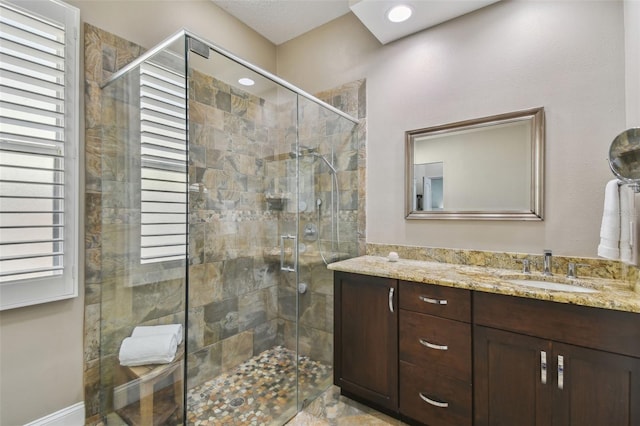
column 187, row 34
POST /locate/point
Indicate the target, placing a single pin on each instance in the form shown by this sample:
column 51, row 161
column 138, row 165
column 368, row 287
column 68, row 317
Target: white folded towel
column 610, row 229
column 151, row 330
column 615, row 231
column 626, row 217
column 142, row 350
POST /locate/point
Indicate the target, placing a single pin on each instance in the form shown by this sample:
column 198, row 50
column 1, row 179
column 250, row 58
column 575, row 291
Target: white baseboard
column 73, row 415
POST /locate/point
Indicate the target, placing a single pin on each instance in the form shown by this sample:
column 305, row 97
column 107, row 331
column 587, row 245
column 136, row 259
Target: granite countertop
column 612, row 294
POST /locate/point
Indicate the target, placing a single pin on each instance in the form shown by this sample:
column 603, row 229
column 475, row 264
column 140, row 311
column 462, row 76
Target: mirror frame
column 535, row 210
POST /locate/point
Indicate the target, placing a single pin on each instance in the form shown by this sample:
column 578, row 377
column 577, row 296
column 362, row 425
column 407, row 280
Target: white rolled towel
column 142, row 350
column 151, row 330
column 609, row 246
column 626, row 217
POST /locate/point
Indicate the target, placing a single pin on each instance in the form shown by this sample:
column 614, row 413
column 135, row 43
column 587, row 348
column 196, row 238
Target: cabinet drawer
column 440, row 344
column 447, row 302
column 607, row 330
column 433, row 399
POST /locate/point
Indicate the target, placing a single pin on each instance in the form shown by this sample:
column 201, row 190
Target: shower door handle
column 293, row 252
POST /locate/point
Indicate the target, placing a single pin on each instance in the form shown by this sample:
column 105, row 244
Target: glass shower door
column 328, row 202
column 143, row 242
column 243, row 204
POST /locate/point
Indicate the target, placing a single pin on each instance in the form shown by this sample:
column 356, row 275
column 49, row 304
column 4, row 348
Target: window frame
column 32, row 291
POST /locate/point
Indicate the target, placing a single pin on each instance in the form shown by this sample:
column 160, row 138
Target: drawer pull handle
column 433, row 346
column 543, row 367
column 432, row 402
column 433, row 301
column 391, row 299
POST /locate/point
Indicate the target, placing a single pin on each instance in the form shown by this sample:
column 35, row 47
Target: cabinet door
column 511, row 381
column 366, row 338
column 595, row 388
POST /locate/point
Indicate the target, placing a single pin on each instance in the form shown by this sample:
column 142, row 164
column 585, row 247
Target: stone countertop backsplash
column 613, row 291
column 589, row 267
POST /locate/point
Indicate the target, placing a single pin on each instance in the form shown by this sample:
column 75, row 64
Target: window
column 163, row 152
column 38, row 152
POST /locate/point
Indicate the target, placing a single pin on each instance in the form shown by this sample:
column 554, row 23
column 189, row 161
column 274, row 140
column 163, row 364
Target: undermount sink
column 553, row 286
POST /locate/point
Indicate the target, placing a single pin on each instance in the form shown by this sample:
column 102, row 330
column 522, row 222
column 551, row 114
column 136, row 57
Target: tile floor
column 260, row 391
column 333, row 409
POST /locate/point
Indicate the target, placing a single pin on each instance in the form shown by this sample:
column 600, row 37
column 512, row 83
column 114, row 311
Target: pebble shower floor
column 260, row 391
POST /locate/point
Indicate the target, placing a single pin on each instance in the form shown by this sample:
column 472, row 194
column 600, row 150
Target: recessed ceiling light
column 399, row 13
column 246, row 81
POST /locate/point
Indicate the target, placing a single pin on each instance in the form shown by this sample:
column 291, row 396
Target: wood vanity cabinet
column 377, row 319
column 366, row 338
column 435, row 354
column 546, row 363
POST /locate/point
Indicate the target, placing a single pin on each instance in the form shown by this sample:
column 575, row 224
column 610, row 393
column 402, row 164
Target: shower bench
column 147, row 378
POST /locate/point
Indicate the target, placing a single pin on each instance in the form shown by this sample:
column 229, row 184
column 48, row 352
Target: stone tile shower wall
column 239, row 302
column 233, row 288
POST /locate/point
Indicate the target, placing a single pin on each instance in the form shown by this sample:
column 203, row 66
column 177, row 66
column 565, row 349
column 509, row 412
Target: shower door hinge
column 198, row 47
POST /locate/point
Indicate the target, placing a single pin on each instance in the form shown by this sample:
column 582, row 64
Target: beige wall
column 632, row 46
column 41, row 347
column 40, row 360
column 147, row 23
column 565, row 56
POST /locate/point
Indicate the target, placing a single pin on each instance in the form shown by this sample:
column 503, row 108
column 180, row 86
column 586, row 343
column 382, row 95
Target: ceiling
column 282, row 20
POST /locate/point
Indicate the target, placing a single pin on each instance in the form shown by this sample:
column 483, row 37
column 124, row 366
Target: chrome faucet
column 526, row 266
column 547, row 263
column 572, row 269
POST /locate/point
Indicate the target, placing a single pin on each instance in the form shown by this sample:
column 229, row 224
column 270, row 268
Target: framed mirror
column 489, row 168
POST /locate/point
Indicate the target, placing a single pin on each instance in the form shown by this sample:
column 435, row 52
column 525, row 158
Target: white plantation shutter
column 38, row 140
column 164, row 164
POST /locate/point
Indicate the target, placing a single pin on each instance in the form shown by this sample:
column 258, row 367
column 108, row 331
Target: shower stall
column 225, row 192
